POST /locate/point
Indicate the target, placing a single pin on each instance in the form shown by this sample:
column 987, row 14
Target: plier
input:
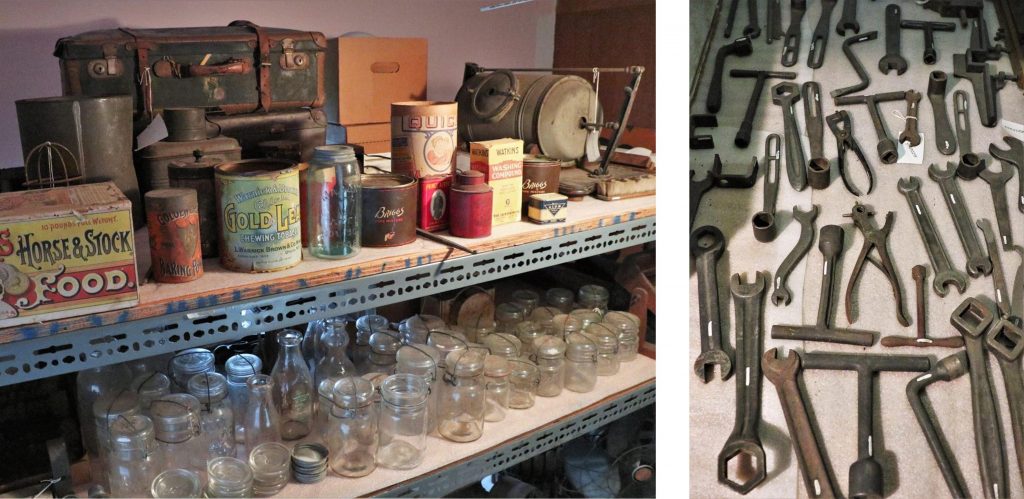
column 878, row 239
column 842, row 128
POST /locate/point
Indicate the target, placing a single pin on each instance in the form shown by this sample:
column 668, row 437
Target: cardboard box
column 375, row 138
column 64, row 252
column 501, row 162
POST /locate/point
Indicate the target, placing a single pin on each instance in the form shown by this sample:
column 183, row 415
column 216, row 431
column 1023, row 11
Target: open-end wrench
column 944, row 139
column 886, row 147
column 753, row 28
column 706, row 245
column 739, row 47
column 997, row 185
column 791, row 39
column 730, row 18
column 849, row 18
column 892, row 58
column 947, row 369
column 763, row 221
column 919, row 273
column 786, row 94
column 910, row 133
column 1006, row 342
column 945, row 274
column 865, row 79
column 972, row 318
column 978, row 263
column 998, row 278
column 781, row 293
column 818, row 171
column 748, row 300
column 747, row 125
column 819, row 38
column 970, row 163
column 783, row 372
column 1015, row 156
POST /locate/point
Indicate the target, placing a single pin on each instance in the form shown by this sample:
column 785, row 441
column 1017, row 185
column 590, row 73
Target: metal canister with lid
column 472, row 202
column 174, row 239
column 540, row 176
column 197, row 174
column 389, row 210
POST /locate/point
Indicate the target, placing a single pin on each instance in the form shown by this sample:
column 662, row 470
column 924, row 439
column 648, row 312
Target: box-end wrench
column 819, row 173
column 706, row 245
column 970, row 164
column 945, row 274
column 998, row 278
column 1015, row 156
column 972, row 318
column 849, row 18
column 910, row 133
column 781, row 293
column 862, row 73
column 947, row 369
column 791, row 39
column 786, row 94
column 1006, row 342
column 742, row 139
column 978, row 263
column 919, row 272
column 783, row 373
column 892, row 58
column 944, row 139
column 739, row 47
column 819, row 39
column 997, row 186
column 763, row 221
column 886, row 147
column 748, row 300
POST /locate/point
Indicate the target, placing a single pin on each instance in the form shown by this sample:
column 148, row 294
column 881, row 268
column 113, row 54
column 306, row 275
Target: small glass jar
column 463, row 397
column 586, row 316
column 176, row 483
column 133, row 459
column 271, row 466
column 238, row 369
column 189, row 363
column 527, row 299
column 504, row 344
column 479, row 329
column 352, row 438
column 293, row 387
column 216, row 419
column 149, row 387
column 383, row 351
column 542, row 316
column 628, row 326
column 507, row 315
column 524, row 379
column 365, row 327
column 565, row 325
column 106, row 410
column 446, row 342
column 528, row 332
column 228, row 477
column 423, row 361
column 261, row 419
column 607, row 340
column 581, row 363
column 417, row 328
column 402, row 422
column 560, row 298
column 176, row 423
column 593, row 297
column 496, row 371
column 333, row 206
column 550, row 353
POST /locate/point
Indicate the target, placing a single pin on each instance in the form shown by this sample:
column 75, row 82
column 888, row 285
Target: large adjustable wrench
column 706, row 245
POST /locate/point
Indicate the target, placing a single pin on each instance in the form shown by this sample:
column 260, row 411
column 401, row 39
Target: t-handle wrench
column 886, row 147
column 742, row 139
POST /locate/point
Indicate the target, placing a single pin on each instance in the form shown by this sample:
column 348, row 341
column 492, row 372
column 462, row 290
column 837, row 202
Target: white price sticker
column 910, row 155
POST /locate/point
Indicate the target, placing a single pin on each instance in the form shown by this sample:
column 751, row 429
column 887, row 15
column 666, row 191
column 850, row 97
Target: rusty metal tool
column 707, row 244
column 985, row 86
column 791, row 39
column 971, row 165
column 910, row 133
column 998, row 278
column 842, row 128
column 763, row 221
column 980, row 49
column 748, row 300
column 783, row 373
column 848, row 20
column 747, row 126
column 920, row 274
column 753, row 28
column 1015, row 156
column 865, row 79
column 997, row 186
column 739, row 47
column 945, row 141
column 702, row 121
column 774, row 24
column 781, row 294
column 972, row 319
column 786, row 94
column 978, row 262
column 1006, row 342
column 866, row 476
column 945, row 274
column 830, row 243
column 892, row 58
column 878, row 239
column 1017, row 296
column 715, row 178
column 730, row 18
column 819, row 38
column 947, row 369
column 818, row 168
column 929, row 28
column 886, row 147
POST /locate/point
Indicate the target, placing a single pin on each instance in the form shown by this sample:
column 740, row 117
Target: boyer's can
column 174, row 237
column 389, row 210
column 540, row 176
column 259, row 216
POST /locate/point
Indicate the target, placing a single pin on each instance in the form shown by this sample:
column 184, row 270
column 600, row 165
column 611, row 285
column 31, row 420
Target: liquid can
column 389, row 210
column 174, row 242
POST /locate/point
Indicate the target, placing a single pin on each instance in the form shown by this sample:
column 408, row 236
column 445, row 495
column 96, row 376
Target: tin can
column 174, row 241
column 389, row 210
column 472, row 201
column 433, row 202
column 548, row 208
column 198, row 175
column 423, row 138
column 540, row 176
column 258, row 213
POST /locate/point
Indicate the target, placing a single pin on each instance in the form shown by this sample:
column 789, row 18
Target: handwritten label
column 910, row 155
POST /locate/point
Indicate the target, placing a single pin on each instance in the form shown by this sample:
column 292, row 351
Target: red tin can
column 174, row 242
column 540, row 176
column 388, row 210
column 433, row 201
column 471, row 205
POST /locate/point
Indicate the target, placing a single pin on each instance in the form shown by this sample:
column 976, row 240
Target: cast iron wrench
column 972, row 318
column 818, row 174
column 997, row 185
column 866, row 471
column 1015, row 156
column 803, row 245
column 970, row 164
column 919, row 272
column 849, row 18
column 748, row 300
column 774, row 24
column 877, row 239
column 947, row 369
column 791, row 39
column 944, row 139
column 865, row 79
column 763, row 221
column 786, row 94
column 886, row 147
column 1006, row 342
column 929, row 28
column 747, row 126
column 945, row 274
column 731, row 17
column 753, row 28
column 910, row 133
column 892, row 58
column 998, row 278
column 842, row 128
column 707, row 244
column 740, row 47
column 783, row 372
column 978, row 263
column 819, row 39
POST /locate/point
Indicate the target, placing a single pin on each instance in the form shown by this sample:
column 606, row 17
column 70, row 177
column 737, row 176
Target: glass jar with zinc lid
column 402, row 422
column 581, row 363
column 463, row 397
column 607, row 340
column 333, row 206
column 594, row 297
column 496, row 371
column 560, row 298
column 352, row 438
column 550, row 353
column 527, row 299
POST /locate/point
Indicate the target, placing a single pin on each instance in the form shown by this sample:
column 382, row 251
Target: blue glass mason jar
column 333, row 202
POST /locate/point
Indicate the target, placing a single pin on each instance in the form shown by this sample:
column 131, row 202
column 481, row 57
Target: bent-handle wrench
column 849, row 18
column 947, row 369
column 977, row 262
column 944, row 139
column 707, row 244
column 998, row 278
column 791, row 39
column 803, row 245
column 1015, row 156
column 774, row 23
column 997, row 185
column 862, row 73
column 786, row 94
column 748, row 300
column 738, row 47
column 819, row 39
column 1006, row 342
column 945, row 274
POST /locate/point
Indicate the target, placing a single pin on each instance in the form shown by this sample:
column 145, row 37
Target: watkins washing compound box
column 501, row 162
column 64, row 252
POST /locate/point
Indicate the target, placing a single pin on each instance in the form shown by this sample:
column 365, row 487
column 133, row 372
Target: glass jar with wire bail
column 503, row 344
column 628, row 326
column 333, row 206
column 417, row 328
column 352, row 437
column 228, row 477
column 365, row 327
column 176, row 423
column 593, row 297
column 560, row 298
column 527, row 299
column 580, row 363
column 607, row 340
column 528, row 332
column 107, row 409
column 478, row 328
column 496, row 371
column 238, row 369
column 542, row 316
column 463, row 397
column 423, row 361
column 507, row 315
column 402, row 422
column 586, row 316
column 216, row 419
column 524, row 379
column 446, row 342
column 175, row 483
column 550, row 355
column 149, row 387
column 188, row 363
column 384, row 347
column 565, row 325
column 133, row 458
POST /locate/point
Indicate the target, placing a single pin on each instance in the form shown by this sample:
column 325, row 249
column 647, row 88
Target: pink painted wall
column 456, row 30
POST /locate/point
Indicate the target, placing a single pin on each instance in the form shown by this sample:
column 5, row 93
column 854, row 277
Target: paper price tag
column 155, row 132
column 910, row 155
column 1014, row 129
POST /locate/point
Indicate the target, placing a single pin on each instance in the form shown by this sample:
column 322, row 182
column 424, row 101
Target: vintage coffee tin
column 423, row 138
column 472, row 201
column 389, row 210
column 174, row 241
column 433, row 202
column 258, row 215
column 540, row 176
column 198, row 175
column 548, row 208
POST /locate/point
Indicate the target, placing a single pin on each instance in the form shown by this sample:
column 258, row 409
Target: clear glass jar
column 133, row 460
column 176, row 423
column 107, row 409
column 479, row 329
column 560, row 298
column 383, row 349
column 271, row 464
column 422, row 361
column 542, row 316
column 524, row 378
column 507, row 315
column 550, row 353
column 527, row 299
column 261, row 419
column 581, row 363
column 586, row 316
column 528, row 332
column 239, row 368
column 352, row 439
column 496, row 371
column 463, row 397
column 504, row 344
column 293, row 387
column 566, row 325
column 311, row 342
column 402, row 422
column 333, row 365
column 332, row 210
column 417, row 328
column 607, row 340
column 228, row 477
column 176, row 483
column 628, row 326
column 593, row 297
column 216, row 419
column 92, row 384
column 313, row 348
column 366, row 326
column 446, row 342
column 149, row 387
column 188, row 363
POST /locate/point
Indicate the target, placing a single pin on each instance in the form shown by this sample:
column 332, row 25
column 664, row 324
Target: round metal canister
column 259, row 215
column 423, row 138
column 198, row 175
column 540, row 176
column 548, row 111
column 185, row 124
column 173, row 219
column 389, row 210
column 471, row 205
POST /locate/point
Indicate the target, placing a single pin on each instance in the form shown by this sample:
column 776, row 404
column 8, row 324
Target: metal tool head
column 972, row 317
column 830, row 240
column 748, row 290
column 1013, row 155
column 943, row 280
column 993, row 177
column 778, row 369
column 862, row 215
column 908, row 184
column 970, row 167
column 936, row 172
column 754, row 454
column 704, row 366
column 866, row 478
column 785, row 93
column 845, row 25
column 839, row 123
column 707, row 239
column 1005, row 339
